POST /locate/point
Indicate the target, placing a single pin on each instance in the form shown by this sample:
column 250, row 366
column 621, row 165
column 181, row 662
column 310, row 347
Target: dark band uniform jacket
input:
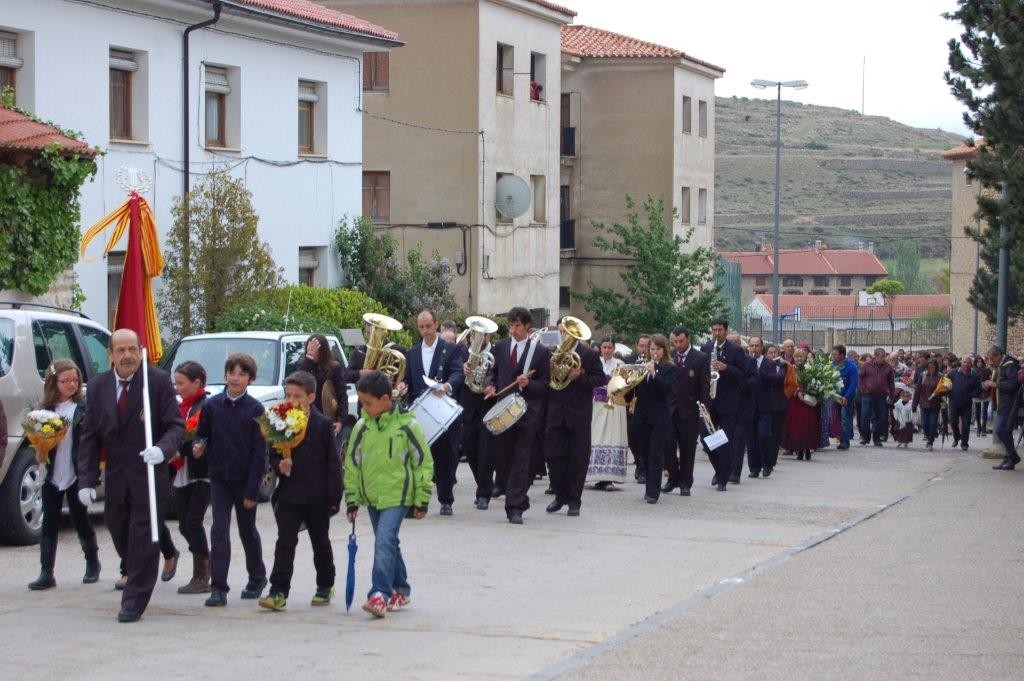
column 445, row 367
column 503, row 373
column 574, row 405
column 728, row 391
column 693, row 379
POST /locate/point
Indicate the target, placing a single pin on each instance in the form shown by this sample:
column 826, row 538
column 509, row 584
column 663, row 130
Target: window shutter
column 307, row 92
column 123, row 60
column 383, row 63
column 367, row 70
column 9, row 50
column 217, row 80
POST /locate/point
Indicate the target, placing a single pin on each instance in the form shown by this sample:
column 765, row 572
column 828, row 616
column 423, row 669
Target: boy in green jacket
column 388, row 469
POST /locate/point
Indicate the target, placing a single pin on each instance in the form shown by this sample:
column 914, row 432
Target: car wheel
column 268, row 483
column 21, row 500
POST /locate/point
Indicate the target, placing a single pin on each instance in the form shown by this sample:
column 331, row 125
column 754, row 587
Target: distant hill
column 846, row 178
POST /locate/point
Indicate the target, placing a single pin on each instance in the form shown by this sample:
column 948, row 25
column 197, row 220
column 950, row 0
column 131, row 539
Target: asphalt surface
column 740, row 584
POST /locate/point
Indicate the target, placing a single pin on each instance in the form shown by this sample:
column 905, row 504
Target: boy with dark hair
column 388, row 469
column 309, row 492
column 229, row 435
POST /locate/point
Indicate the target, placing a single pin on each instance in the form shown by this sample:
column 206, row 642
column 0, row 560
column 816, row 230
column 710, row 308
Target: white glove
column 87, row 495
column 153, row 455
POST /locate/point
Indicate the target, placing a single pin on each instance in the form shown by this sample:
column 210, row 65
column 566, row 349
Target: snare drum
column 435, row 413
column 505, row 413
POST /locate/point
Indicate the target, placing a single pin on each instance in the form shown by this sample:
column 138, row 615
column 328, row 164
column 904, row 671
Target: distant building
column 636, row 118
column 844, row 312
column 818, row 271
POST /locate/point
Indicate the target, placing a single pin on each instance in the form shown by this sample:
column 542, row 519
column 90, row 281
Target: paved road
column 492, row 600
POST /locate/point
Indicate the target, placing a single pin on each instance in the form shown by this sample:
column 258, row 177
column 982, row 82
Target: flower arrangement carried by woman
column 284, row 425
column 819, row 378
column 44, row 429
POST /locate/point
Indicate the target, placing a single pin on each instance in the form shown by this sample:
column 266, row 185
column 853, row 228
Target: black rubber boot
column 47, row 557
column 92, row 559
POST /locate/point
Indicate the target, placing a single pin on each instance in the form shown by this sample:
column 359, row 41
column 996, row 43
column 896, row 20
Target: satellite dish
column 512, row 196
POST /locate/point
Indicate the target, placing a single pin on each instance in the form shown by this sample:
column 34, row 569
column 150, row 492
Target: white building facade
column 275, row 97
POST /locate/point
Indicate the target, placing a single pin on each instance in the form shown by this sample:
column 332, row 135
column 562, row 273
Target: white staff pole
column 154, row 528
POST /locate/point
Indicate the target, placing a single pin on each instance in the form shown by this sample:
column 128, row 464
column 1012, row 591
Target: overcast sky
column 822, row 42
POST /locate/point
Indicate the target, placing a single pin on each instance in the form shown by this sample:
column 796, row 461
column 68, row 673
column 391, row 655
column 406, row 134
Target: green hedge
column 311, row 310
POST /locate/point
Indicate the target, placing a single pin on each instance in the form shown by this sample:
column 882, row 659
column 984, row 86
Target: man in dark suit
column 570, row 411
column 693, row 375
column 514, row 358
column 727, row 360
column 441, row 362
column 477, row 443
column 753, row 445
column 1005, row 372
column 770, row 396
column 745, row 412
column 642, row 354
column 114, row 422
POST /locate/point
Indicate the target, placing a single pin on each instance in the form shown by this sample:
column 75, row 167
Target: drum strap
column 529, row 356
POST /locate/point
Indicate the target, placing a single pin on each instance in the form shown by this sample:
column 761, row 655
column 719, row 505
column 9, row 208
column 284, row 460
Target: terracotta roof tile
column 846, row 307
column 310, row 11
column 18, row 132
column 810, row 261
column 596, row 43
column 558, row 8
column 964, row 151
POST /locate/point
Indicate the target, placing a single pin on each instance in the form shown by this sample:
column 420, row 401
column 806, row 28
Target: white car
column 277, row 354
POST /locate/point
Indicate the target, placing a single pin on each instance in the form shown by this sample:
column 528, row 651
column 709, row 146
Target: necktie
column 122, row 401
column 515, row 355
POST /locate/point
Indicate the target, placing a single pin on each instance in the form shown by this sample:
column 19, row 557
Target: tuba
column 479, row 361
column 379, row 357
column 564, row 360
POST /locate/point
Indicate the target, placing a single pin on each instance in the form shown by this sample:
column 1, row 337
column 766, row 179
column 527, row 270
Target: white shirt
column 520, row 348
column 63, row 467
column 609, row 365
column 118, row 384
column 428, row 356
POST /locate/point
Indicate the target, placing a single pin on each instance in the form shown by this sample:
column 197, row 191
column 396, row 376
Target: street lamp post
column 778, row 85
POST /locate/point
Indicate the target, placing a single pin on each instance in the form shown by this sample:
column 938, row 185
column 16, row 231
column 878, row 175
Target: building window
column 967, row 179
column 818, row 292
column 567, row 235
column 505, row 69
column 792, row 292
column 760, row 281
column 377, row 195
column 684, row 206
column 846, row 291
column 792, row 281
column 702, row 116
column 821, row 281
column 123, row 66
column 538, row 185
column 687, row 115
column 308, row 99
column 218, row 87
column 702, row 206
column 9, row 61
column 868, row 281
column 115, row 267
column 538, row 77
column 846, row 281
column 376, row 67
column 564, row 297
column 309, row 262
column 760, row 292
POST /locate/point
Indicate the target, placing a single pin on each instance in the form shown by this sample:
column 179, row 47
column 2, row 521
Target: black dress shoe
column 497, row 492
column 129, row 616
column 253, row 589
column 767, row 472
column 482, row 503
column 216, row 599
column 734, row 479
column 642, row 478
column 714, row 480
column 446, row 509
column 121, row 583
column 650, row 500
column 684, row 491
column 721, row 487
column 573, row 511
column 555, row 506
column 754, row 474
column 668, row 487
column 843, row 447
column 1004, row 466
column 168, row 574
column 863, row 442
column 516, row 518
column 549, row 490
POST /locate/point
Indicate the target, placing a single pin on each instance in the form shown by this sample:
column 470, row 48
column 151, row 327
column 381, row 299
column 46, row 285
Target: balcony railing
column 568, row 141
column 568, row 234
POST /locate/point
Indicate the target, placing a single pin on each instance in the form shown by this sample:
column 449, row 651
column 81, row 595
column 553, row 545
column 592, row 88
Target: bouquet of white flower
column 44, row 429
column 819, row 377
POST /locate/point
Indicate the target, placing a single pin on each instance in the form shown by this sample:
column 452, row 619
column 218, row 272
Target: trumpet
column 564, row 360
column 388, row 361
column 479, row 361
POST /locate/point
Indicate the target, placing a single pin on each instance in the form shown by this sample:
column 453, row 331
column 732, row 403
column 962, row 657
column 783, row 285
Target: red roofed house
column 845, row 311
column 637, row 118
column 274, row 97
column 815, row 271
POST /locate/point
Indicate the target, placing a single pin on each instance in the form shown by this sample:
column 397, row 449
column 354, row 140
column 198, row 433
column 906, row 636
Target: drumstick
column 510, row 385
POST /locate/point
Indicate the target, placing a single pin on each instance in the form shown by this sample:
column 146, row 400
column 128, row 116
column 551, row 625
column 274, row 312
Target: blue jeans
column 389, row 573
column 846, row 422
column 930, row 424
column 874, row 409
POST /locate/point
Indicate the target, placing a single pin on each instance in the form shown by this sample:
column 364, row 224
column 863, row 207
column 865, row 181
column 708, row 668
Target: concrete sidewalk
column 928, row 588
column 492, row 600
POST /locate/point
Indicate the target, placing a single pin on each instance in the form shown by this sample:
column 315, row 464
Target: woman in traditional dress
column 801, row 432
column 608, row 446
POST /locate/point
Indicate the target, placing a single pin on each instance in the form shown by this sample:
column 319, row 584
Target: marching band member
column 693, row 374
column 477, row 443
column 515, row 358
column 745, row 422
column 727, row 360
column 651, row 416
column 441, row 361
column 569, row 415
column 643, row 349
column 771, row 401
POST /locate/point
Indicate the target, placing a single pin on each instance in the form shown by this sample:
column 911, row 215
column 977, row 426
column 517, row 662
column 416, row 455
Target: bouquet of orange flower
column 191, row 426
column 284, row 425
column 44, row 429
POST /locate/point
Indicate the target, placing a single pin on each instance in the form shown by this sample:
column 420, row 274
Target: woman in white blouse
column 62, row 393
column 608, row 447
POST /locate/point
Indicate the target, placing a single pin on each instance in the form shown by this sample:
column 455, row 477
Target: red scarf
column 188, row 402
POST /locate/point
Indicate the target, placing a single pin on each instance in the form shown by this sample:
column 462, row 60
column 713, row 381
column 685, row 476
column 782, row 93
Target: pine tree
column 987, row 75
column 213, row 255
column 664, row 285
